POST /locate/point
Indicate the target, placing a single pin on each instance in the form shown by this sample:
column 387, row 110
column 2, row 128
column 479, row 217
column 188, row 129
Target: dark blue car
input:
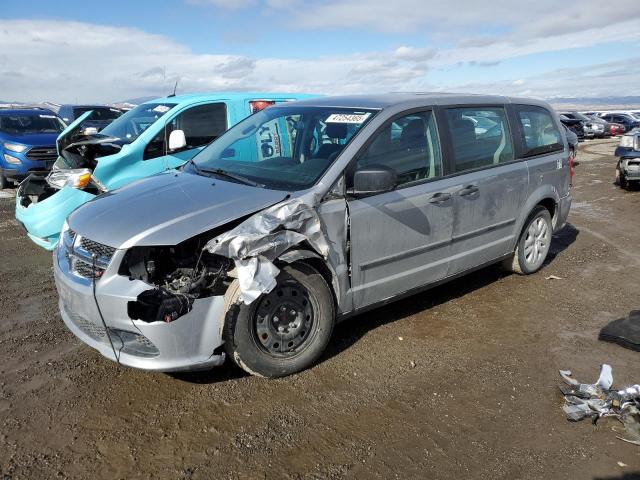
column 101, row 115
column 27, row 143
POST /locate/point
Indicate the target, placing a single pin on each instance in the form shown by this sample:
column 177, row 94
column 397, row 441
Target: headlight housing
column 626, row 141
column 76, row 178
column 15, row 147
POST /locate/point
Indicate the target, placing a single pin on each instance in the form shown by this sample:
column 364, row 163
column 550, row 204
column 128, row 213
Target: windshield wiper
column 232, row 176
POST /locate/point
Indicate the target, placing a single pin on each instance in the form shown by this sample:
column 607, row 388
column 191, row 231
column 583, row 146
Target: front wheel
column 621, row 179
column 533, row 245
column 284, row 331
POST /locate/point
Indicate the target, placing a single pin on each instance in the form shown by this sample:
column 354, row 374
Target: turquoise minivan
column 154, row 136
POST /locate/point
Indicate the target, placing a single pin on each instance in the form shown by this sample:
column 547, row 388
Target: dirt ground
column 481, row 401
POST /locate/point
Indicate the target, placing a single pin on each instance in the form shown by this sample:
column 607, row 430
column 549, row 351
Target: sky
column 74, row 52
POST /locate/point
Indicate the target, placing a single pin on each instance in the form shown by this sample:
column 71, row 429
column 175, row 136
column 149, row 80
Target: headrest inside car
column 336, row 130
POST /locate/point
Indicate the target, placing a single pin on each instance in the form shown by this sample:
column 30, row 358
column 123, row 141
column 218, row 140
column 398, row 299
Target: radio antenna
column 175, row 87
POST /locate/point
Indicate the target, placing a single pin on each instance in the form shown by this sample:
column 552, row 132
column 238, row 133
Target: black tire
column 621, row 178
column 268, row 356
column 4, row 182
column 518, row 263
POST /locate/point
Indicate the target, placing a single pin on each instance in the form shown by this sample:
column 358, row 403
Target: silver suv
column 305, row 214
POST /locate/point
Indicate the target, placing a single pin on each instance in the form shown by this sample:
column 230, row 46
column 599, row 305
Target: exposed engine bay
column 180, row 275
column 81, row 151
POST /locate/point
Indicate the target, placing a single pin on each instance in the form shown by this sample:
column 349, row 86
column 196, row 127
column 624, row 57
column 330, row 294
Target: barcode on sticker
column 347, row 117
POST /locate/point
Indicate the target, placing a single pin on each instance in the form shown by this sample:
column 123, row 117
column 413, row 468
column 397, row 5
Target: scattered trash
column 412, row 364
column 553, row 277
column 597, row 400
column 624, row 331
column 400, row 338
column 622, row 464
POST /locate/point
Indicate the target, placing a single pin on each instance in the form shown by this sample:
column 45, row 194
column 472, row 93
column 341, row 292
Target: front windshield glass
column 130, row 126
column 30, row 123
column 282, row 148
column 99, row 113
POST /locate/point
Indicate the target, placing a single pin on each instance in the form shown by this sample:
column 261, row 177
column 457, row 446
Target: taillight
column 572, row 168
column 257, row 105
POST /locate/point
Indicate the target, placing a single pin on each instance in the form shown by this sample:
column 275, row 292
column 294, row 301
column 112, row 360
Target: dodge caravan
column 133, row 146
column 255, row 253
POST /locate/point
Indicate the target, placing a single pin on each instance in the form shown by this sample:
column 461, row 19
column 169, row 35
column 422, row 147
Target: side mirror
column 177, row 140
column 374, row 179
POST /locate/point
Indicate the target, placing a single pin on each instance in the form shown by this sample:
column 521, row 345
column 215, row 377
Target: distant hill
column 139, row 100
column 596, row 103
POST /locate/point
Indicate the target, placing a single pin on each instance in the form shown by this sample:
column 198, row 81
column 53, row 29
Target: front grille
column 42, row 153
column 104, row 252
column 86, row 269
column 96, row 332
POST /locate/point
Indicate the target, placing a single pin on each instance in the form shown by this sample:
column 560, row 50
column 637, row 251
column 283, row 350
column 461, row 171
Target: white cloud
column 39, row 61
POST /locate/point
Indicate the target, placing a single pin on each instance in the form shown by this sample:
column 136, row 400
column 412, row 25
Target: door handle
column 440, row 198
column 468, row 190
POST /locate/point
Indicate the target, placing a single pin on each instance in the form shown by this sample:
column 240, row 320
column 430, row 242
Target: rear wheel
column 4, row 183
column 533, row 245
column 284, row 331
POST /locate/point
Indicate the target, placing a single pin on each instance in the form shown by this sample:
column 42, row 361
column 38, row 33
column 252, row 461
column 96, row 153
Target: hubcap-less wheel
column 536, row 244
column 283, row 321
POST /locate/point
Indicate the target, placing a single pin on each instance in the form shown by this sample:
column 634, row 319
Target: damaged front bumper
column 190, row 343
column 43, row 219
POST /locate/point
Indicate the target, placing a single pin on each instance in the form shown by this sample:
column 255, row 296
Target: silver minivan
column 358, row 201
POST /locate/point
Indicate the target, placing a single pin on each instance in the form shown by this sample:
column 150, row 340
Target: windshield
column 130, row 126
column 31, row 123
column 99, row 113
column 282, row 148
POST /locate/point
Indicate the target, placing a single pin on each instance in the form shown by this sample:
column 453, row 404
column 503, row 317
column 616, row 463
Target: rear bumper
column 564, row 205
column 183, row 345
column 43, row 220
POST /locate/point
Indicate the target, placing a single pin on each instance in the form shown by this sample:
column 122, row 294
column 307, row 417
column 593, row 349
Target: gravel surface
column 457, row 382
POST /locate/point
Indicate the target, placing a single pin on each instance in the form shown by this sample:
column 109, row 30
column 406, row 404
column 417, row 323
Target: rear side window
column 201, row 125
column 480, row 137
column 539, row 131
column 409, row 145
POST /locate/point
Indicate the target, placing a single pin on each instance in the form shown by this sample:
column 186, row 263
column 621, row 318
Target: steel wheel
column 284, row 320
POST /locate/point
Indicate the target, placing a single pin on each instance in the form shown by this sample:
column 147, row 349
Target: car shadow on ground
column 347, row 333
column 350, row 331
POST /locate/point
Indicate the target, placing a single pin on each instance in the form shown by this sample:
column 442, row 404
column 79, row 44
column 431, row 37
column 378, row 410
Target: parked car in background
column 628, row 166
column 102, row 115
column 591, row 128
column 154, row 136
column 616, row 129
column 575, row 126
column 572, row 140
column 256, row 257
column 27, row 143
column 628, row 121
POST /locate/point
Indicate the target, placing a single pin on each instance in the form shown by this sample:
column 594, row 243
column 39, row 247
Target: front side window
column 30, row 123
column 282, row 147
column 480, row 137
column 130, row 126
column 409, row 145
column 541, row 135
column 201, row 124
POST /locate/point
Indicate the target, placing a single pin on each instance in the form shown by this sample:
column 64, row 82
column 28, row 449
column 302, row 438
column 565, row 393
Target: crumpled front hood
column 166, row 209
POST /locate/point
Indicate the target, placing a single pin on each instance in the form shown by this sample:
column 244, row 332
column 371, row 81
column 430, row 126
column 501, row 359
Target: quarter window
column 480, row 137
column 409, row 145
column 540, row 133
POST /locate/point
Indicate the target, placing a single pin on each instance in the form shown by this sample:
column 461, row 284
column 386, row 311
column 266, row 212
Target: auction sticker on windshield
column 347, row 117
column 161, row 109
